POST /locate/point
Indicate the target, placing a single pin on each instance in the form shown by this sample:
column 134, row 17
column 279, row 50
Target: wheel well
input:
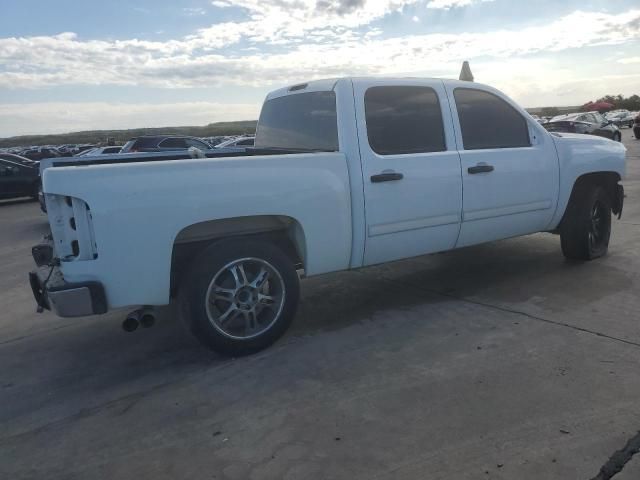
column 284, row 232
column 607, row 180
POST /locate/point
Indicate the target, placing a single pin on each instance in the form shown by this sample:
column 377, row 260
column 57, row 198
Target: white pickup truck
column 345, row 173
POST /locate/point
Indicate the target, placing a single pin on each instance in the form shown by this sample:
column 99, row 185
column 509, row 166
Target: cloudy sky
column 69, row 65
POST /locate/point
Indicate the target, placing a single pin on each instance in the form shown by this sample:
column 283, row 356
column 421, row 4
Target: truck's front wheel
column 586, row 228
column 240, row 296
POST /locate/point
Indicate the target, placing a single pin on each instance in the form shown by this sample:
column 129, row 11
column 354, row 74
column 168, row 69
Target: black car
column 18, row 179
column 636, row 126
column 163, row 143
column 591, row 123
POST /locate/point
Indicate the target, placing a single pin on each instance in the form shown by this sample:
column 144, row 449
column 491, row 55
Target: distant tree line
column 121, row 136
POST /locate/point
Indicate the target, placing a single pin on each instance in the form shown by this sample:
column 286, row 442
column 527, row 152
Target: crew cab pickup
column 344, row 173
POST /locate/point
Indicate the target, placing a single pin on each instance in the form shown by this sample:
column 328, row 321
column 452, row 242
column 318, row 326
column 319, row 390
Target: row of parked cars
column 20, row 167
column 594, row 123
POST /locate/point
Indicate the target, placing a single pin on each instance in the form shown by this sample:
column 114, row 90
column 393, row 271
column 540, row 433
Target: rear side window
column 487, row 121
column 404, row 119
column 303, row 121
column 173, row 143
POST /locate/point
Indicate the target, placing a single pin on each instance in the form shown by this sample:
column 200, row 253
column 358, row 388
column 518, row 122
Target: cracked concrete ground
column 500, row 361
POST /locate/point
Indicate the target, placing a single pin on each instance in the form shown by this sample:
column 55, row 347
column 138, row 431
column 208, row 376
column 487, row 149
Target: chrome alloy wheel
column 245, row 298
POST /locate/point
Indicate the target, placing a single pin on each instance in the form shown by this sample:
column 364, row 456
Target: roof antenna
column 465, row 73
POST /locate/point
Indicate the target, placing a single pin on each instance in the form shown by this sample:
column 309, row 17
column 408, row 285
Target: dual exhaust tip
column 144, row 317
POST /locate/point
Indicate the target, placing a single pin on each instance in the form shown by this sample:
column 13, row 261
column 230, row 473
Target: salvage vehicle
column 345, row 173
column 590, row 123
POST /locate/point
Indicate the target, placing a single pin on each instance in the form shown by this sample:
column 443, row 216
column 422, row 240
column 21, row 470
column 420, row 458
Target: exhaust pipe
column 132, row 321
column 144, row 317
column 147, row 317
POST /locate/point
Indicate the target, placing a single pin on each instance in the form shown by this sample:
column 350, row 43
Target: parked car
column 100, row 151
column 244, row 141
column 591, row 123
column 621, row 118
column 344, row 173
column 163, row 143
column 636, row 126
column 40, row 153
column 18, row 179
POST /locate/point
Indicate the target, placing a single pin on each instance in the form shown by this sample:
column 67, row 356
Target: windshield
column 304, row 121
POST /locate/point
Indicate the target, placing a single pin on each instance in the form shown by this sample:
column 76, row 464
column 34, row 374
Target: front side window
column 487, row 121
column 404, row 119
column 302, row 121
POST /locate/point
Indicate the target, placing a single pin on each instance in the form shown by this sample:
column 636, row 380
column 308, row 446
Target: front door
column 510, row 170
column 412, row 182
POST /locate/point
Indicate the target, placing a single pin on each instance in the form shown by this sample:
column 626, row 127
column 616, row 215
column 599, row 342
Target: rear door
column 510, row 170
column 412, row 183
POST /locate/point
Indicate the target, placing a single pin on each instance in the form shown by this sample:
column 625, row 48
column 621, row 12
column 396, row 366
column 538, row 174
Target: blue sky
column 81, row 64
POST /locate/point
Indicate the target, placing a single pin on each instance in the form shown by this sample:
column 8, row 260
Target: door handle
column 386, row 177
column 480, row 168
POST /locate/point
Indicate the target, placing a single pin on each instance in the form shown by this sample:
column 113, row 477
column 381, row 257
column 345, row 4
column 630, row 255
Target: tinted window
column 304, row 121
column 173, row 143
column 404, row 120
column 487, row 121
column 191, row 142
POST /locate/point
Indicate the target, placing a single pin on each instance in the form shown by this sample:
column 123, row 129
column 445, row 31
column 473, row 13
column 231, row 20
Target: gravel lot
column 500, row 361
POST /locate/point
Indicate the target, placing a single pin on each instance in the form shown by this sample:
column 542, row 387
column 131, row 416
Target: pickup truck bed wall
column 313, row 189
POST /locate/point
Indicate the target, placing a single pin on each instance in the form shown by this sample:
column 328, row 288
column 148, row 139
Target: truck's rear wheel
column 240, row 296
column 586, row 229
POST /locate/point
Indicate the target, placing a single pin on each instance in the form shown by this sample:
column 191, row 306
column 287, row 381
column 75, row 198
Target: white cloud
column 57, row 117
column 448, row 4
column 203, row 60
column 629, row 60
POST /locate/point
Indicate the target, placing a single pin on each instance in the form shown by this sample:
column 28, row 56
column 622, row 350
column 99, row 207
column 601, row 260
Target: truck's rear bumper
column 52, row 292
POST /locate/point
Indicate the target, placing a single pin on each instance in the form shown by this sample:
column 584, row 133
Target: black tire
column 214, row 263
column 586, row 228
